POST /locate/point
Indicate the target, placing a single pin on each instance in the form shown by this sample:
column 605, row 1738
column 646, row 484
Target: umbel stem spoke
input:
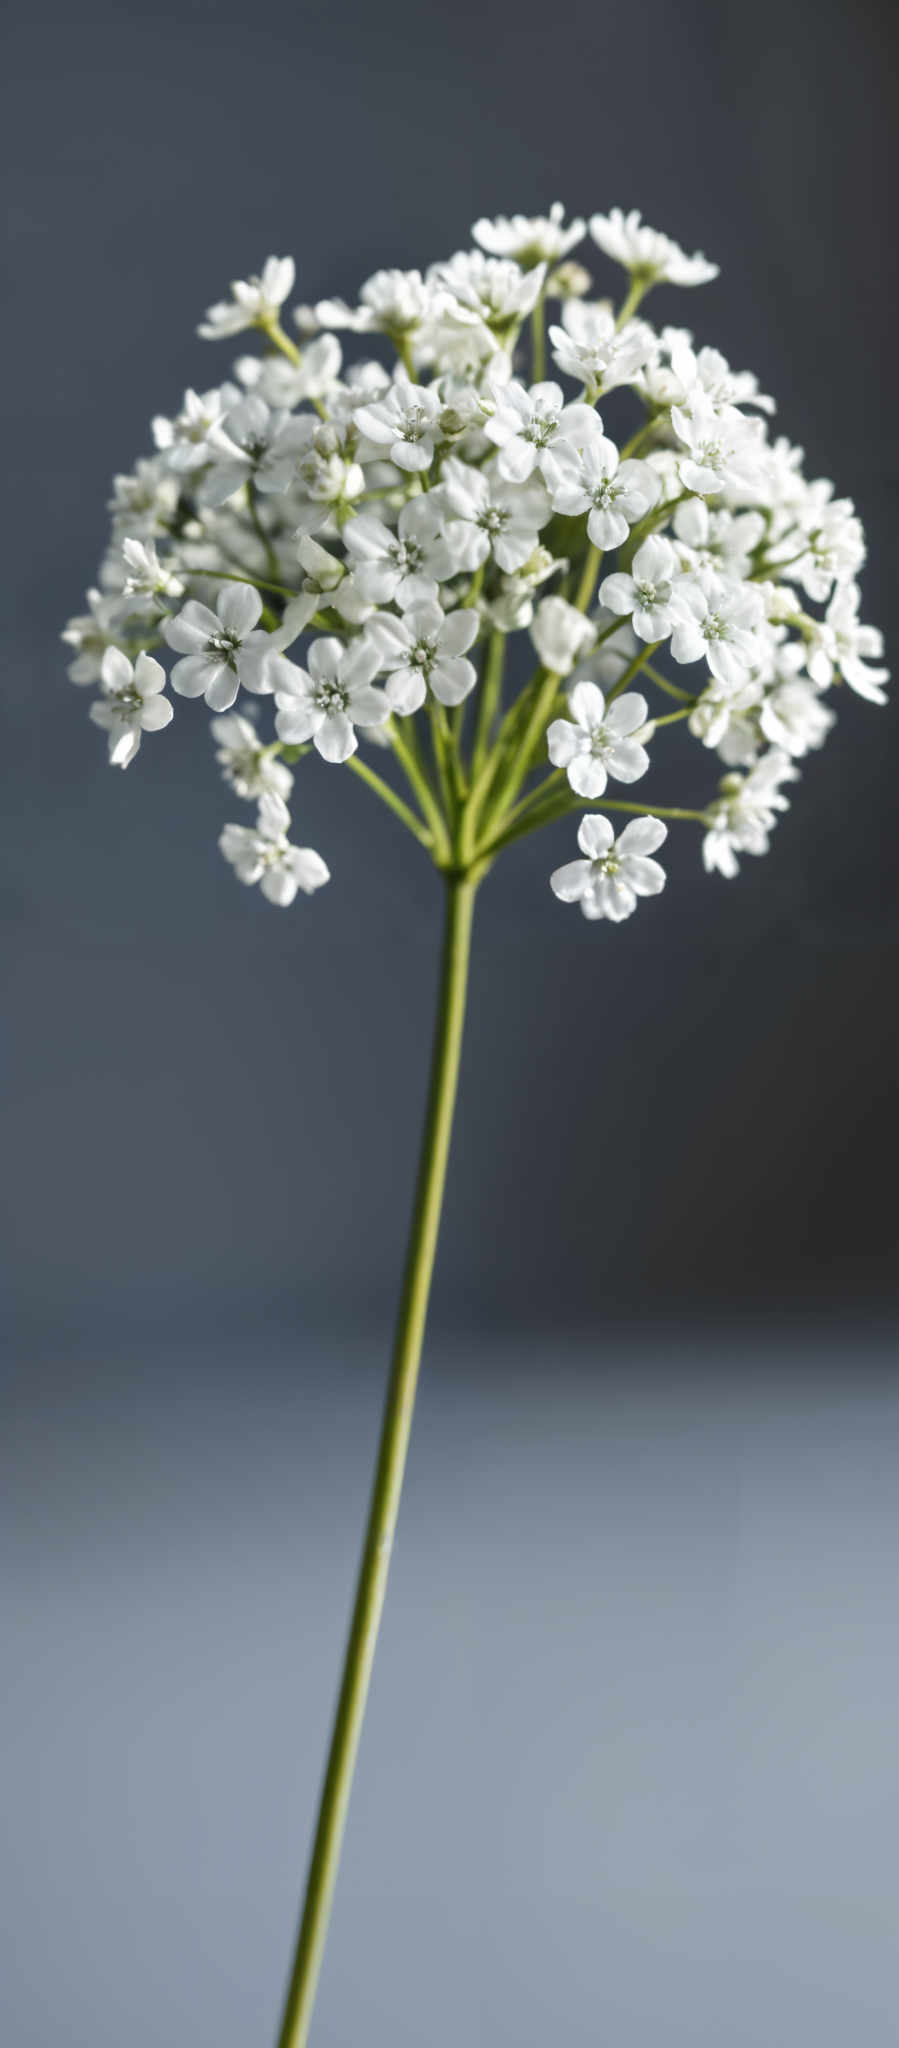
column 388, row 1481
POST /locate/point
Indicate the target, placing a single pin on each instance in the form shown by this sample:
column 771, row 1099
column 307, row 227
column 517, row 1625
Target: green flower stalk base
column 394, row 1445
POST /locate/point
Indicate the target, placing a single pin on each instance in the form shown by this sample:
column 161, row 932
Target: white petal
column 595, row 836
column 570, row 882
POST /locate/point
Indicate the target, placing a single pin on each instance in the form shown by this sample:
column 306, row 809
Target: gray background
column 630, row 1768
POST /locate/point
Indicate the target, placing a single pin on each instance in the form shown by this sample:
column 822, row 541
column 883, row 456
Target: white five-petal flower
column 254, row 302
column 646, row 595
column 425, row 650
column 647, row 253
column 132, row 702
column 614, row 872
column 225, row 648
column 264, row 854
column 325, row 702
column 591, row 479
column 597, row 741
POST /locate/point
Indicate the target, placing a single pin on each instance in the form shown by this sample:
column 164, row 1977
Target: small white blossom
column 722, row 448
column 250, row 768
column 324, row 703
column 646, row 253
column 592, row 348
column 793, row 717
column 598, row 739
column 184, row 440
column 841, row 645
column 90, row 634
column 405, row 422
column 409, row 563
column 492, row 291
column 542, row 239
column 393, row 302
column 423, row 650
column 741, row 819
column 265, row 855
column 132, row 703
column 485, row 515
column 561, row 634
column 223, row 649
column 591, row 479
column 252, row 445
column 648, row 594
column 716, row 538
column 615, row 872
column 526, row 425
column 254, row 302
column 147, row 575
column 717, row 621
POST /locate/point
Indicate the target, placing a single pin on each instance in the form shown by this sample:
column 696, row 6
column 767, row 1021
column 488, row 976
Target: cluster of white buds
column 361, row 544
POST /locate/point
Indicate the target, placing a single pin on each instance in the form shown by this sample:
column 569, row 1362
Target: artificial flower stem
column 395, row 1433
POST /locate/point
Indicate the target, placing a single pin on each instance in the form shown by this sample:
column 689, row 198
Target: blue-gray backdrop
column 629, row 1773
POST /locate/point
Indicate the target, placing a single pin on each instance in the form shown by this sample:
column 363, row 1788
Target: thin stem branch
column 389, row 796
column 538, row 344
column 395, row 1433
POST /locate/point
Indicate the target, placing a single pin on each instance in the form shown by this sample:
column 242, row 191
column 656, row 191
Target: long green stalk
column 395, row 1432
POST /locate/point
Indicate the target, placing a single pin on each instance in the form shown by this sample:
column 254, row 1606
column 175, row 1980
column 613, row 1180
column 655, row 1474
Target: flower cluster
column 364, row 543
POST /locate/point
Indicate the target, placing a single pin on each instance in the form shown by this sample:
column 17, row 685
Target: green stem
column 538, row 344
column 653, row 675
column 389, row 796
column 405, row 747
column 589, row 574
column 489, row 699
column 274, row 331
column 395, row 1433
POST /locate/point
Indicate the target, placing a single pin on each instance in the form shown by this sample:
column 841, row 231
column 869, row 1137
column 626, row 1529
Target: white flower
column 485, row 515
column 709, row 372
column 409, row 563
column 716, row 538
column 255, row 302
column 324, row 703
column 842, row 646
column 591, row 479
column 90, row 634
column 723, row 447
column 252, row 445
column 492, row 291
column 285, row 385
column 598, row 743
column 526, row 424
column 393, row 302
column 265, row 855
column 646, row 253
column 616, row 871
column 147, row 576
column 717, row 621
column 132, row 703
column 251, row 769
column 793, row 717
column 405, row 422
column 541, row 239
column 423, row 650
column 561, row 634
column 647, row 596
column 742, row 817
column 222, row 649
column 590, row 347
column 184, row 439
